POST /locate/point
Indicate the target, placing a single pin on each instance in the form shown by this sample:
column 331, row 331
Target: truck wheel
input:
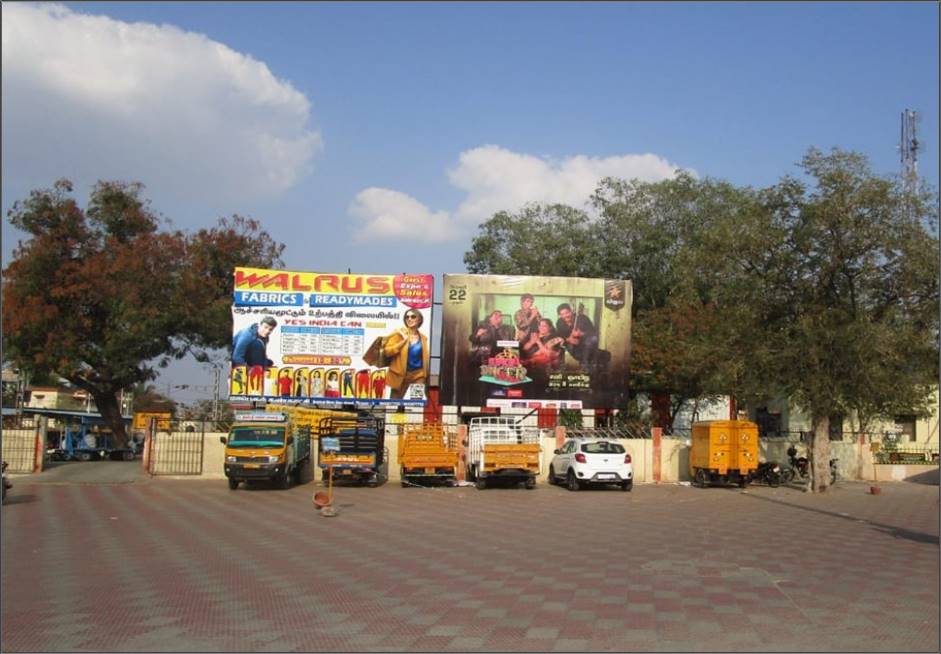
column 128, row 455
column 233, row 483
column 83, row 456
column 284, row 480
column 530, row 483
column 572, row 482
column 701, row 479
column 481, row 483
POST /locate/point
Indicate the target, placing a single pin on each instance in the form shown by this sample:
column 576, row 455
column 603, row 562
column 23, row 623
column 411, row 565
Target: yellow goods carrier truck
column 723, row 451
column 360, row 452
column 499, row 448
column 265, row 445
column 427, row 454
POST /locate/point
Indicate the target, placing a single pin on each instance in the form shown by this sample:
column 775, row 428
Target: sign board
column 330, row 339
column 535, row 342
column 260, row 416
column 329, row 444
column 142, row 420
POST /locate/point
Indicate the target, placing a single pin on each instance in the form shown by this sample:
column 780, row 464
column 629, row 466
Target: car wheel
column 627, row 485
column 233, row 483
column 552, row 479
column 572, row 482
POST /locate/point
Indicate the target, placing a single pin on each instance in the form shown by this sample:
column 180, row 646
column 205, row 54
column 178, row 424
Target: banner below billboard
column 535, row 342
column 330, row 339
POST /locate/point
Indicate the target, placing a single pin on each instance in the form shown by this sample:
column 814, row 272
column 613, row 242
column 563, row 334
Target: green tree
column 147, row 399
column 103, row 296
column 554, row 240
column 837, row 276
column 682, row 346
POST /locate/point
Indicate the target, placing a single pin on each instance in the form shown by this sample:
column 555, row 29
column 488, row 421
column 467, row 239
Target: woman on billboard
column 406, row 349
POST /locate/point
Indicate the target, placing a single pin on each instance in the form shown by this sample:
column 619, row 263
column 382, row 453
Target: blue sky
column 375, row 137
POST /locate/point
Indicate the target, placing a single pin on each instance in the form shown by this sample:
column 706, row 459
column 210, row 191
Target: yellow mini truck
column 723, row 451
column 427, row 454
column 360, row 450
column 265, row 446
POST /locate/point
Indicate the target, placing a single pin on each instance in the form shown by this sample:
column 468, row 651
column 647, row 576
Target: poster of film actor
column 330, row 339
column 535, row 342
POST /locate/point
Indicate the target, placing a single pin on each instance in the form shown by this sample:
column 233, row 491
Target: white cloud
column 89, row 97
column 496, row 179
column 390, row 214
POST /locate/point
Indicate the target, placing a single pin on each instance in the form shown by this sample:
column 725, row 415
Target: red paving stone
column 171, row 565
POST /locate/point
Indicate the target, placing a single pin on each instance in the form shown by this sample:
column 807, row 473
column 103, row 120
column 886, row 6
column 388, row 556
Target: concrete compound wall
column 855, row 459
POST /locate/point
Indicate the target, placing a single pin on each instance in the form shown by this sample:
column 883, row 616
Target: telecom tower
column 909, row 152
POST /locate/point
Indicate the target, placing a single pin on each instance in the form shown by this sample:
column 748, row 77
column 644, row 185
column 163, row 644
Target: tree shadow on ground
column 896, row 532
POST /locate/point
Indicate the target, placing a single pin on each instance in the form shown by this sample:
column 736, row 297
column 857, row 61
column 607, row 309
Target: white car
column 583, row 461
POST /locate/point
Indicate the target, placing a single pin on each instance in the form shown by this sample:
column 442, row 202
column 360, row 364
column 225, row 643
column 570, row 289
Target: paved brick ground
column 169, row 565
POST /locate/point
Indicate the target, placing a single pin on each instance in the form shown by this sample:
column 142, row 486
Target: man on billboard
column 580, row 335
column 249, row 346
column 484, row 339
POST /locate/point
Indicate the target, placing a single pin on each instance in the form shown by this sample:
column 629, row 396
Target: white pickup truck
column 500, row 448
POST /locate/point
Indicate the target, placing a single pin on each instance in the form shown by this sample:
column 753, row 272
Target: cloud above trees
column 89, row 97
column 496, row 179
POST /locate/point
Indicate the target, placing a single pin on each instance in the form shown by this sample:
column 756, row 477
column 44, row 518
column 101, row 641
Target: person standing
column 409, row 355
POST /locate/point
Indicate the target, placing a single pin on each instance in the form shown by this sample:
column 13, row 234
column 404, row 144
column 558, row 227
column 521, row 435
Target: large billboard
column 535, row 342
column 330, row 339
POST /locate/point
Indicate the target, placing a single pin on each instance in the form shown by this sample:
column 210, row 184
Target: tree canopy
column 105, row 295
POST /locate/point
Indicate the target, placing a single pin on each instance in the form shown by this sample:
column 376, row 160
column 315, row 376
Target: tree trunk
column 110, row 411
column 820, row 455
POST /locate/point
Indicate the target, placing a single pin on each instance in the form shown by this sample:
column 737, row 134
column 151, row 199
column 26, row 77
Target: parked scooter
column 768, row 472
column 799, row 468
column 7, row 484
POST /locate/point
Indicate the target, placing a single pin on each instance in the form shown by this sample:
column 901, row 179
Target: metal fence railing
column 19, row 449
column 179, row 450
column 612, row 432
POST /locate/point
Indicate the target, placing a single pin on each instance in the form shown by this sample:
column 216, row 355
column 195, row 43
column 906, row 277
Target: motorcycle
column 7, row 484
column 769, row 472
column 799, row 467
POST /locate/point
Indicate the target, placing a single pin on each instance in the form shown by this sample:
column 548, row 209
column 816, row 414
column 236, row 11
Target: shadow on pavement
column 896, row 532
column 18, row 498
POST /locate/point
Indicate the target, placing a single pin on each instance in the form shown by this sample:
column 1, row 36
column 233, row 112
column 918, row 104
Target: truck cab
column 265, row 446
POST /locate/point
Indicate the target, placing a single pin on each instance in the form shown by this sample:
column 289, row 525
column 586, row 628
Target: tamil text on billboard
column 330, row 339
column 535, row 342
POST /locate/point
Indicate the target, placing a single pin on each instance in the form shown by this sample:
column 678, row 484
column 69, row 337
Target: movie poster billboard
column 330, row 339
column 535, row 342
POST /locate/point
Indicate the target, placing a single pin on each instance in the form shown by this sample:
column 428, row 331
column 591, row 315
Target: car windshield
column 602, row 448
column 257, row 437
